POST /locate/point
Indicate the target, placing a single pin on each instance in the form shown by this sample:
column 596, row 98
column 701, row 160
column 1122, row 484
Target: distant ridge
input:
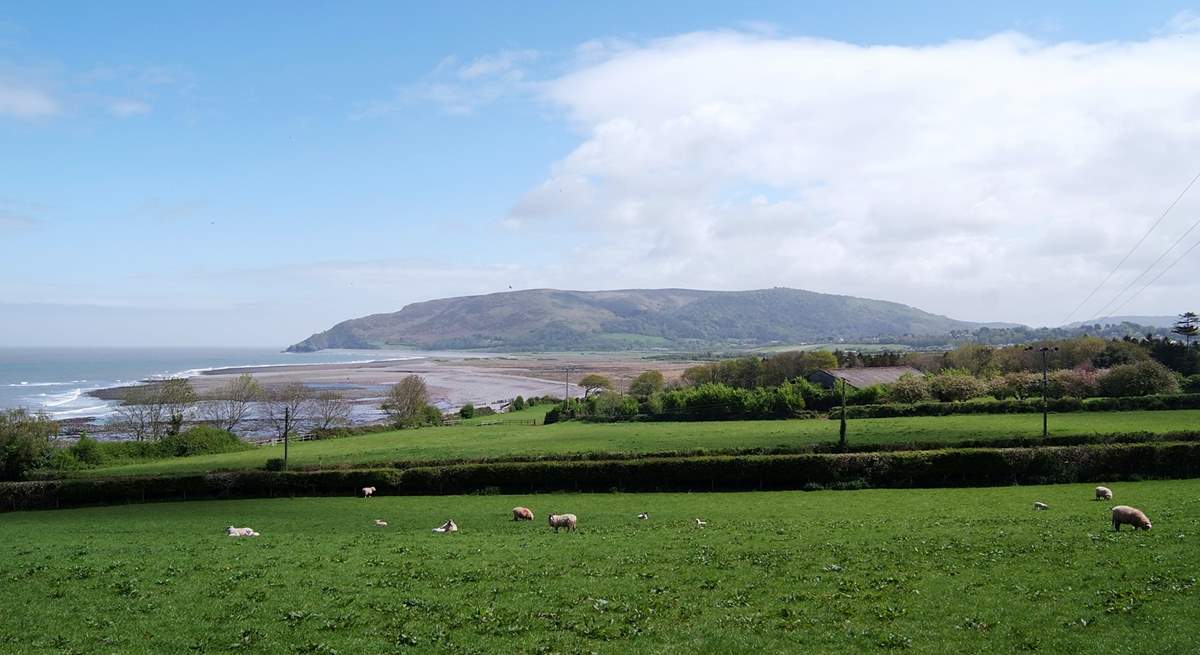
column 550, row 319
column 1148, row 321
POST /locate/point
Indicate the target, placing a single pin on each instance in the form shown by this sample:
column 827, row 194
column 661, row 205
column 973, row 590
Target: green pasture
column 475, row 441
column 924, row 571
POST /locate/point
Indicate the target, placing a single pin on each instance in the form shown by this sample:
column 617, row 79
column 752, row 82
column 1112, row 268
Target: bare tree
column 406, row 401
column 141, row 413
column 177, row 397
column 289, row 408
column 228, row 405
column 329, row 409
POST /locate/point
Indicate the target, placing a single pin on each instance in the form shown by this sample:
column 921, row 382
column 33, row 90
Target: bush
column 467, row 411
column 1014, row 385
column 1140, row 379
column 1191, row 384
column 24, row 442
column 200, row 440
column 484, row 411
column 517, row 404
column 1030, row 405
column 275, row 464
column 1073, row 383
column 909, row 389
column 87, row 451
column 954, row 386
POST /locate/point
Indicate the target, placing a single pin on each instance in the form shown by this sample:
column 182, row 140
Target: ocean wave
column 45, row 384
column 193, row 372
column 84, row 411
column 63, row 399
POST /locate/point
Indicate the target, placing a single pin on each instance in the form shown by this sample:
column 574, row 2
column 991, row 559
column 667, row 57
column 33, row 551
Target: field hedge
column 1026, row 406
column 933, row 468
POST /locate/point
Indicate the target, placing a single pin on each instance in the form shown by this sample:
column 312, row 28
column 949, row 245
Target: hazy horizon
column 277, row 172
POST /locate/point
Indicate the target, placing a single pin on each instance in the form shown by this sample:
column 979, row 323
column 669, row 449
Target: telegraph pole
column 287, row 426
column 842, row 431
column 1045, row 350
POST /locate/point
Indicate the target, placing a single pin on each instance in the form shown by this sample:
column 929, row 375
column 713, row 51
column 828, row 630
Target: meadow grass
column 467, row 442
column 928, row 571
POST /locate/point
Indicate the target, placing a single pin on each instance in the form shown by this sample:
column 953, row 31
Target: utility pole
column 566, row 385
column 1045, row 350
column 287, row 426
column 842, row 430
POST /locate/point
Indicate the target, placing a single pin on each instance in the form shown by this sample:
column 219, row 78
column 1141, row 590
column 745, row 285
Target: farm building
column 859, row 378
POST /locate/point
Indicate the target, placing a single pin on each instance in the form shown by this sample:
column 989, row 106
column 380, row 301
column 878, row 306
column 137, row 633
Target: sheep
column 380, row 523
column 1103, row 493
column 1130, row 515
column 240, row 532
column 700, row 523
column 643, row 516
column 563, row 521
column 367, row 492
column 522, row 514
column 1039, row 505
column 448, row 526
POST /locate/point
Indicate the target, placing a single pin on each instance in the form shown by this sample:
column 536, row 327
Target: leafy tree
column 406, row 401
column 24, row 442
column 647, row 384
column 467, row 411
column 1141, row 379
column 1187, row 327
column 518, row 404
column 1118, row 352
column 593, row 382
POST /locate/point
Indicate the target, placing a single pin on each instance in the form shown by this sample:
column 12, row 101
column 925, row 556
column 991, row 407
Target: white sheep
column 700, row 523
column 643, row 516
column 1103, row 493
column 567, row 521
column 1038, row 505
column 448, row 526
column 1124, row 514
column 380, row 523
column 367, row 492
column 240, row 532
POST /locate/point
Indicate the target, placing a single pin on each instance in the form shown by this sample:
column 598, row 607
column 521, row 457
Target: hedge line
column 938, row 468
column 1029, row 405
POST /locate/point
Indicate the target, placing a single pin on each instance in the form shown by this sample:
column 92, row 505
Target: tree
column 406, row 401
column 647, row 384
column 229, row 405
column 177, row 397
column 1187, row 327
column 24, row 442
column 1141, row 379
column 594, row 382
column 288, row 409
column 467, row 411
column 517, row 405
column 330, row 410
column 141, row 413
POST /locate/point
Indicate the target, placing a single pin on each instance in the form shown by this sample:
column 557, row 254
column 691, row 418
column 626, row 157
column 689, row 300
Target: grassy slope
column 575, row 437
column 940, row 571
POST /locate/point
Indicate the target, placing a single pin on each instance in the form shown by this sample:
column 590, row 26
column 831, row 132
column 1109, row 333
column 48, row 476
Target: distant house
column 858, row 378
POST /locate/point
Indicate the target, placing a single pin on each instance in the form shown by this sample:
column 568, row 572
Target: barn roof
column 870, row 375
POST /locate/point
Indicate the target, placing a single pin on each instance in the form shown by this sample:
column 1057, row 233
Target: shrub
column 200, row 440
column 431, row 415
column 24, row 442
column 909, row 389
column 275, row 464
column 467, row 411
column 517, row 404
column 868, row 395
column 484, row 411
column 1012, row 406
column 1140, row 379
column 1073, row 383
column 1014, row 385
column 1191, row 384
column 87, row 451
column 953, row 386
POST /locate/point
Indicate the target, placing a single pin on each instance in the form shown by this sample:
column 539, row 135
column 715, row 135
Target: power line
column 1147, row 270
column 1160, row 274
column 1131, row 250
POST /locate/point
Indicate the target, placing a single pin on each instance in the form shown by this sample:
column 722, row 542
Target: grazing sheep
column 563, row 521
column 380, row 523
column 1103, row 493
column 448, row 526
column 643, row 516
column 367, row 492
column 1038, row 505
column 1129, row 515
column 240, row 532
column 701, row 523
column 522, row 514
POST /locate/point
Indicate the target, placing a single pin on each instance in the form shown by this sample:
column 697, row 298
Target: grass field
column 576, row 437
column 929, row 571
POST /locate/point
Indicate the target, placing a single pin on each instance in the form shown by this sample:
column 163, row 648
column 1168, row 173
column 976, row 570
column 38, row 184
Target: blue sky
column 246, row 175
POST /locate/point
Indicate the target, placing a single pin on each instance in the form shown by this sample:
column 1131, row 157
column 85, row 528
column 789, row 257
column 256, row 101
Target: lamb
column 563, row 521
column 1130, row 515
column 701, row 523
column 240, row 532
column 522, row 514
column 643, row 516
column 380, row 523
column 448, row 526
column 367, row 492
column 1039, row 505
column 1103, row 493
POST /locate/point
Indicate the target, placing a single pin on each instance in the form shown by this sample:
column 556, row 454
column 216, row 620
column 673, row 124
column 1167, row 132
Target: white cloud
column 997, row 178
column 127, row 107
column 25, row 102
column 503, row 63
column 462, row 89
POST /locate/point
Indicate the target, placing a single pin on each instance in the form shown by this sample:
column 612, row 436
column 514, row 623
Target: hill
column 549, row 319
column 1147, row 321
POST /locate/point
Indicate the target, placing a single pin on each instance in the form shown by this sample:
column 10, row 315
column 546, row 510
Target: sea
column 56, row 380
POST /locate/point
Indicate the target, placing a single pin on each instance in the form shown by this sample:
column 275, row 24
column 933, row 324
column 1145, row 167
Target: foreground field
column 934, row 571
column 473, row 441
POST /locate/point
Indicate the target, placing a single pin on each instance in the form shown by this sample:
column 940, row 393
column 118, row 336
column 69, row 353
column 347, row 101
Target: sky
column 248, row 174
